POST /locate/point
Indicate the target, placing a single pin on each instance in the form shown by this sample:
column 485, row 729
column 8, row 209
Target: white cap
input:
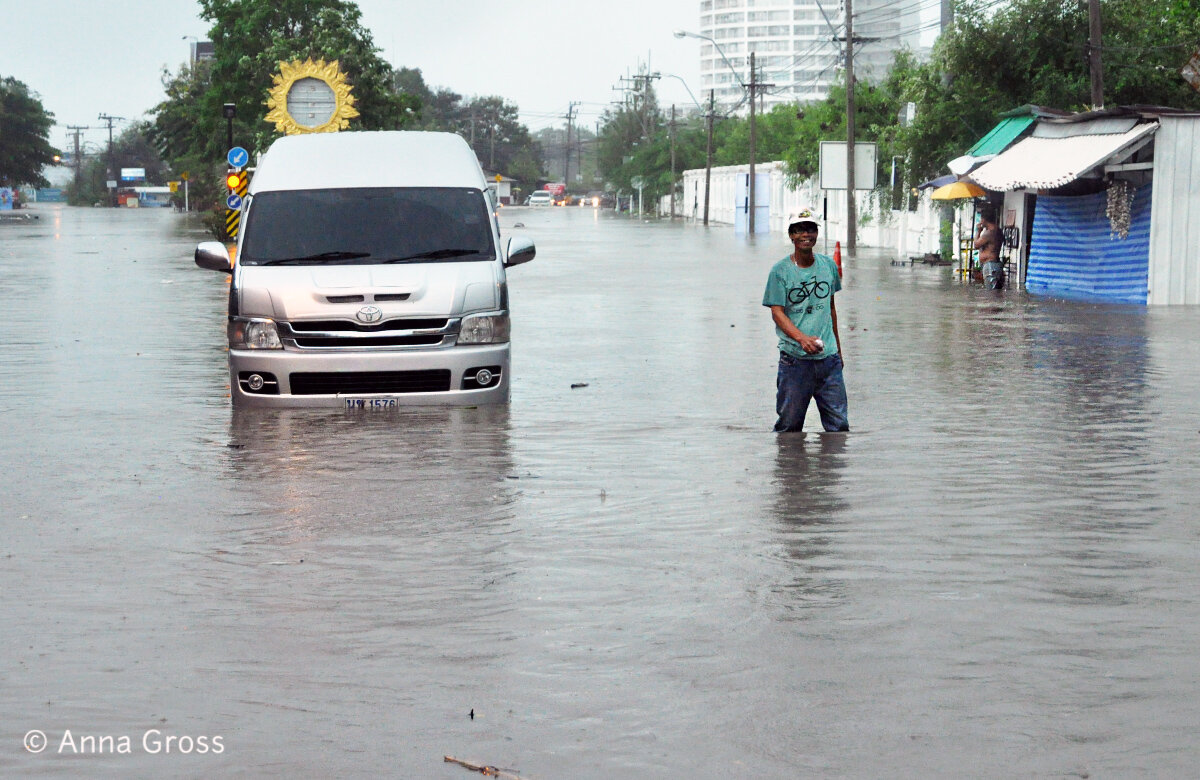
column 803, row 215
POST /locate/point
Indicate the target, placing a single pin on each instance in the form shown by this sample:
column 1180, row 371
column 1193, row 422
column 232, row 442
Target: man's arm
column 807, row 343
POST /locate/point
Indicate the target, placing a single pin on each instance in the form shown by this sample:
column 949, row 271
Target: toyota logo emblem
column 369, row 314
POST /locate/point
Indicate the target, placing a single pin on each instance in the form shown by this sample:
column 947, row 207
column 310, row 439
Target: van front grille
column 327, row 326
column 382, row 341
column 370, row 382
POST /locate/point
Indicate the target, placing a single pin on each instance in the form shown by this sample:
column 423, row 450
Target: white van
column 369, row 274
column 541, row 198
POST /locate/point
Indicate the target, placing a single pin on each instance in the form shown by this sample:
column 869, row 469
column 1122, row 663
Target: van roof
column 367, row 159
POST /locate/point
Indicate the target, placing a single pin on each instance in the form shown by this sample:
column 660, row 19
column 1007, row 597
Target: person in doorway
column 800, row 294
column 988, row 241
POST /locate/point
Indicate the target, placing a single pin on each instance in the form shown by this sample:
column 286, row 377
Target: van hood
column 339, row 291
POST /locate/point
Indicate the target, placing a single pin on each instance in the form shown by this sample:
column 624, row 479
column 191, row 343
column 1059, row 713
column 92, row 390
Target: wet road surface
column 993, row 575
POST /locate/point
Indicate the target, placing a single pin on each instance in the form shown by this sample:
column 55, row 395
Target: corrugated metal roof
column 1044, row 163
column 1000, row 136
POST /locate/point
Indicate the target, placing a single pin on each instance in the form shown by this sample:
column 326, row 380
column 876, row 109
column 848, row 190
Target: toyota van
column 369, row 274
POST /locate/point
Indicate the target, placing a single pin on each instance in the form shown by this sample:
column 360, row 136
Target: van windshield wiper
column 434, row 254
column 322, row 257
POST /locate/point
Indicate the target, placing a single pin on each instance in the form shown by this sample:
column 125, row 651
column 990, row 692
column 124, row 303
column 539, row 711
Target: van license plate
column 370, row 403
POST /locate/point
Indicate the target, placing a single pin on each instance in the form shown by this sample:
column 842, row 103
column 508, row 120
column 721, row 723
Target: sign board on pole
column 133, row 174
column 237, row 157
column 1191, row 71
column 833, row 165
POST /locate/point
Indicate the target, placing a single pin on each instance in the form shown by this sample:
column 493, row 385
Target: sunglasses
column 803, row 229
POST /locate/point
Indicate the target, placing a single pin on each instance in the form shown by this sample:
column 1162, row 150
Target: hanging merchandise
column 1120, row 205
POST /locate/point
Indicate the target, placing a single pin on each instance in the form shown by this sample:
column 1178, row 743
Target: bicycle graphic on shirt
column 813, row 287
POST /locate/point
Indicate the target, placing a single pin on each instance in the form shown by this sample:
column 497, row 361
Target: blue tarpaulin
column 1074, row 253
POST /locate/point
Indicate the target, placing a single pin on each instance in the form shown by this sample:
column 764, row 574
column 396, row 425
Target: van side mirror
column 214, row 256
column 520, row 250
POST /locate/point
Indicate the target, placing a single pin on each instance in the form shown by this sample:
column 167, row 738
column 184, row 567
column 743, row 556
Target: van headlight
column 484, row 329
column 253, row 333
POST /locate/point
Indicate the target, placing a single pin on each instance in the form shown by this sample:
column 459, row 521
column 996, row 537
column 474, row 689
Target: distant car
column 541, row 198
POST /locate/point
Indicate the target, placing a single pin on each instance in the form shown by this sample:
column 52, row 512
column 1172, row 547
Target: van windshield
column 367, row 226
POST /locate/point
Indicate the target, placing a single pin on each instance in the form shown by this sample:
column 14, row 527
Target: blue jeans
column 801, row 381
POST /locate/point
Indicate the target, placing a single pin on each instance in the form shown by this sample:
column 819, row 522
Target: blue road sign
column 234, row 201
column 238, row 157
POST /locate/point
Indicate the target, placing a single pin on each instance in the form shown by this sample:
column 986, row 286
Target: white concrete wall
column 908, row 233
column 1175, row 213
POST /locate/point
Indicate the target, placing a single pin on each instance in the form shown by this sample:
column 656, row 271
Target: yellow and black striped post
column 238, row 182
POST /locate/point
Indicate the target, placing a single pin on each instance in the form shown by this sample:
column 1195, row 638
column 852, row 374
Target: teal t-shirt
column 805, row 295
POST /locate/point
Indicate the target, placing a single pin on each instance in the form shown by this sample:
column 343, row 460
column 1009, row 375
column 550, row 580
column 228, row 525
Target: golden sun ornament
column 310, row 97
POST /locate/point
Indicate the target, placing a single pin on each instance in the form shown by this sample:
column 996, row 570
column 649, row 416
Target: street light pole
column 752, row 87
column 708, row 153
column 851, row 195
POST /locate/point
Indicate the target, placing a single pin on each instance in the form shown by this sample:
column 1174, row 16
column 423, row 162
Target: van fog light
column 258, row 382
column 479, row 377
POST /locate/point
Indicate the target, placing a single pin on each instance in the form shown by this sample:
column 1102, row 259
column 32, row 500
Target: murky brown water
column 994, row 575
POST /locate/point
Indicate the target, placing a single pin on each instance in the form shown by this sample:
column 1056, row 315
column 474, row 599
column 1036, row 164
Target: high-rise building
column 799, row 45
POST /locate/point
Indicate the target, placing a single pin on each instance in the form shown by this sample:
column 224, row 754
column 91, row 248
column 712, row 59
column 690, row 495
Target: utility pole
column 112, row 195
column 754, row 86
column 567, row 147
column 76, row 131
column 1095, row 67
column 708, row 153
column 753, row 83
column 672, row 136
column 851, row 200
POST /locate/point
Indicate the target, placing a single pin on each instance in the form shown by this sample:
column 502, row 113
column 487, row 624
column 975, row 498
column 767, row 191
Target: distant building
column 202, row 51
column 794, row 47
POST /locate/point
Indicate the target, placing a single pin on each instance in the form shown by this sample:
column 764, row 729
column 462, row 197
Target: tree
column 24, row 133
column 1034, row 52
column 490, row 124
column 251, row 38
column 628, row 136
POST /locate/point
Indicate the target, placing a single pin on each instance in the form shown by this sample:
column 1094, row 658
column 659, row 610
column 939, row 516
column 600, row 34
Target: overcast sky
column 88, row 57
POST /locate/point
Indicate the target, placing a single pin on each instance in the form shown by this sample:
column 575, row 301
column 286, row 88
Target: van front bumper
column 361, row 379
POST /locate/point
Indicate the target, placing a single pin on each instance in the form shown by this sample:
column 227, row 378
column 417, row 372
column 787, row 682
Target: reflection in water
column 807, row 504
column 318, row 468
column 995, row 574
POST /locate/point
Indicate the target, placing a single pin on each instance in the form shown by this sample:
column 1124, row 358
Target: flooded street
column 993, row 575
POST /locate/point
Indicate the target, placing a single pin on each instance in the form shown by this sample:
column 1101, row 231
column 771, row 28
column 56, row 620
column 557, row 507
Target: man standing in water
column 988, row 240
column 800, row 293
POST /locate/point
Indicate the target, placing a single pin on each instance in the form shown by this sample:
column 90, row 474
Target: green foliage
column 993, row 59
column 1034, row 52
column 251, row 38
column 490, row 124
column 24, row 132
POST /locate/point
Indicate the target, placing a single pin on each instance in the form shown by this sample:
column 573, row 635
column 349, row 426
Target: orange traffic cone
column 837, row 256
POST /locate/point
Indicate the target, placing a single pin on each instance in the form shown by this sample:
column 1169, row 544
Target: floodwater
column 994, row 575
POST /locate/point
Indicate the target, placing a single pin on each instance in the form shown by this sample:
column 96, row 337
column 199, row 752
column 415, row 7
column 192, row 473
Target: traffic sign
column 238, row 157
column 234, row 201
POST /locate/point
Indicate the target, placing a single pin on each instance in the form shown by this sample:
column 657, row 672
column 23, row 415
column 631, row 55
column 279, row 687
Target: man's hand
column 809, row 344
